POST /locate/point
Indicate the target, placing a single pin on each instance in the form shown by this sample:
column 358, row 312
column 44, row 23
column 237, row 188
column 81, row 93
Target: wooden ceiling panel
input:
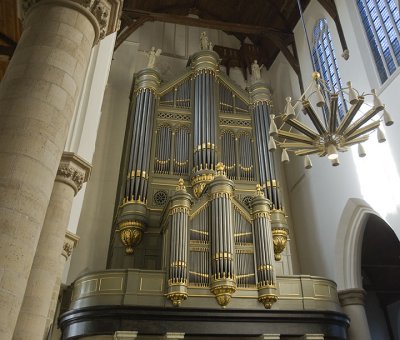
column 267, row 23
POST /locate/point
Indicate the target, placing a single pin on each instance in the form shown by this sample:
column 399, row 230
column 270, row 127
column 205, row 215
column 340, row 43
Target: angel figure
column 204, row 44
column 256, row 70
column 152, row 54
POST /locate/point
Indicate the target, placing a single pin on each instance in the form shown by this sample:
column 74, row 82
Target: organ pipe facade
column 223, row 277
column 178, row 240
column 131, row 219
column 205, row 64
column 217, row 235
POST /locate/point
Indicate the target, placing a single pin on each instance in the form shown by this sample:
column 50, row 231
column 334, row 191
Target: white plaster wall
column 318, row 196
column 95, row 221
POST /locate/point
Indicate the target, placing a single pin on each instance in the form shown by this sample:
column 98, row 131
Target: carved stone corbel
column 73, row 170
column 70, row 242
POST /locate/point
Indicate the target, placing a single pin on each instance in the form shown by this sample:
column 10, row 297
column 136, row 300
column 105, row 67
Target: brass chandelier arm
column 307, row 152
column 367, row 128
column 309, row 110
column 333, row 112
column 295, row 137
column 354, row 141
column 299, row 126
column 359, row 122
column 290, row 145
column 346, row 121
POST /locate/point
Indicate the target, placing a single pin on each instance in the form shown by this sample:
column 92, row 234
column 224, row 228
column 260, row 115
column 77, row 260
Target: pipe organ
column 199, row 223
column 223, row 228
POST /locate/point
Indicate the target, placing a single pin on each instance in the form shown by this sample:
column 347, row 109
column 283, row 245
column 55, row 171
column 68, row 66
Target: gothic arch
column 349, row 239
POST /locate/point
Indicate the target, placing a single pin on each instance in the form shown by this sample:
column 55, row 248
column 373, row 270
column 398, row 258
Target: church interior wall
column 376, row 317
column 318, row 196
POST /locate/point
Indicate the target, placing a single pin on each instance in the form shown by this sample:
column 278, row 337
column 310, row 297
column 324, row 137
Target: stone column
column 353, row 302
column 38, row 95
column 72, row 173
column 70, row 243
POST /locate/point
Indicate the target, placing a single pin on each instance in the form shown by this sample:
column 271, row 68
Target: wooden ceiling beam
column 207, row 23
column 7, row 50
column 122, row 36
column 330, row 7
column 290, row 57
column 7, row 39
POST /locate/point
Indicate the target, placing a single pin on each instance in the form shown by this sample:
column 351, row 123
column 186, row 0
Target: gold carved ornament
column 177, row 298
column 268, row 300
column 223, row 291
column 131, row 233
column 279, row 236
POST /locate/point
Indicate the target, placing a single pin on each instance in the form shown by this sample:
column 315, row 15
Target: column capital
column 104, row 14
column 353, row 296
column 70, row 242
column 73, row 170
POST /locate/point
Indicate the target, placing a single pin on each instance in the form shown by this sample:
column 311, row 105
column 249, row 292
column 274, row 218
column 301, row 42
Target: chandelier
column 330, row 133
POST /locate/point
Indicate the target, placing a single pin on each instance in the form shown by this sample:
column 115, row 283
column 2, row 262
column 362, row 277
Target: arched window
column 324, row 60
column 381, row 22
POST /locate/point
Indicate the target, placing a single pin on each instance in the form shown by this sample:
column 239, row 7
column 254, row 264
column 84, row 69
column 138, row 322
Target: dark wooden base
column 236, row 323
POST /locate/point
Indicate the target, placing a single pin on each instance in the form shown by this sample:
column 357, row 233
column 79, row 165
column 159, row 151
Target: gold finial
column 315, row 75
column 181, row 185
column 259, row 192
column 220, row 167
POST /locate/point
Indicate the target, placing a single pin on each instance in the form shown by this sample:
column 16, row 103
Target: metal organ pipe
column 223, row 280
column 267, row 175
column 205, row 64
column 130, row 221
column 264, row 250
column 178, row 275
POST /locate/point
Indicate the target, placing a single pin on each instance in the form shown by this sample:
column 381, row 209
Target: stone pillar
column 125, row 335
column 38, row 95
column 174, row 336
column 72, row 173
column 70, row 243
column 353, row 302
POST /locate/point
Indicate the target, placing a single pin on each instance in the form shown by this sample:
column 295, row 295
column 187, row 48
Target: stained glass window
column 324, row 60
column 381, row 21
